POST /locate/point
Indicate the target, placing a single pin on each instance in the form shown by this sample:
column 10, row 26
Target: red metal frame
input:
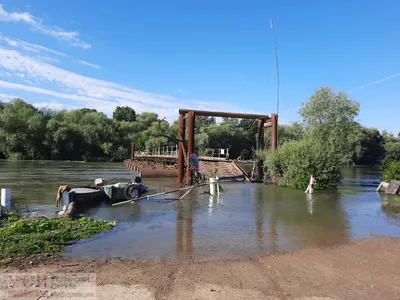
column 189, row 115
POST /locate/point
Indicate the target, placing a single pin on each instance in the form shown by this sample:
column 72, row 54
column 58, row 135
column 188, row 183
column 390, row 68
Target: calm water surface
column 246, row 220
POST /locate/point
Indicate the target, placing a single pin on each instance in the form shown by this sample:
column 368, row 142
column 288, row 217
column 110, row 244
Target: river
column 248, row 219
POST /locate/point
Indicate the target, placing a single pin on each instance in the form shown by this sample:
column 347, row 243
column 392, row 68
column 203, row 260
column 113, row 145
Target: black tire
column 131, row 192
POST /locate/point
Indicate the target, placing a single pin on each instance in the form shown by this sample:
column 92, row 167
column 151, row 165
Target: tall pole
column 277, row 65
column 278, row 84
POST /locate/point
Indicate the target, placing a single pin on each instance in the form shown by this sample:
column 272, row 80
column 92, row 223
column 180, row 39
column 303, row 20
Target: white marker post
column 310, row 187
column 214, row 186
column 6, row 199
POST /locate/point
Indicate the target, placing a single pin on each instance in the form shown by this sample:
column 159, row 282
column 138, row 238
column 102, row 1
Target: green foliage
column 86, row 134
column 391, row 146
column 322, row 144
column 124, row 113
column 330, row 119
column 82, row 134
column 370, row 150
column 23, row 237
column 286, row 133
column 295, row 161
column 22, row 130
column 396, row 199
column 391, row 170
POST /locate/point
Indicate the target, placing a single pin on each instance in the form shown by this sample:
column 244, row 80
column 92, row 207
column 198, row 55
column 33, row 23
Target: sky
column 216, row 55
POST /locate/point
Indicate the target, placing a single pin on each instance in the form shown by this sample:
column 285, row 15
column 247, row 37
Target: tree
column 250, row 130
column 286, row 133
column 370, row 150
column 328, row 128
column 124, row 113
column 22, row 130
column 328, row 142
column 391, row 146
column 203, row 121
column 329, row 118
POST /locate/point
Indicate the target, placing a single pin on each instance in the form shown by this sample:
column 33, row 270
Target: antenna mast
column 277, row 65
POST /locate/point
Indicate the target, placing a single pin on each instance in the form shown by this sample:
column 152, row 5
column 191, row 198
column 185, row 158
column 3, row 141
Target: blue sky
column 164, row 55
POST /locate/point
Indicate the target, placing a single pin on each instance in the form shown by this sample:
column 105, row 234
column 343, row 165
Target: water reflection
column 391, row 206
column 245, row 220
column 310, row 204
column 296, row 219
column 184, row 228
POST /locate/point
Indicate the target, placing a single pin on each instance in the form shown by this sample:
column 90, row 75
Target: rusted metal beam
column 181, row 149
column 190, row 146
column 260, row 145
column 260, row 134
column 223, row 114
column 274, row 131
column 132, row 151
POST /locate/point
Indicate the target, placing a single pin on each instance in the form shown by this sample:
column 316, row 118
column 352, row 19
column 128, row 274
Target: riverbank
column 365, row 269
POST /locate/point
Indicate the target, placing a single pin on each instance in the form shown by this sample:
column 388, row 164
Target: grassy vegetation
column 391, row 170
column 396, row 199
column 23, row 237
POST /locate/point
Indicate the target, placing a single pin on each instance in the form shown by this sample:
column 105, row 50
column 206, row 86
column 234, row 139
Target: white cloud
column 28, row 46
column 82, row 62
column 7, row 97
column 48, row 59
column 5, row 74
column 84, row 91
column 71, row 37
column 53, row 105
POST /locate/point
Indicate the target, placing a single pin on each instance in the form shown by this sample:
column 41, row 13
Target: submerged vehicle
column 93, row 195
column 122, row 191
column 82, row 197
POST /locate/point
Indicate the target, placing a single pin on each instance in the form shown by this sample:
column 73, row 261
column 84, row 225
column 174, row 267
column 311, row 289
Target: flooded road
column 246, row 220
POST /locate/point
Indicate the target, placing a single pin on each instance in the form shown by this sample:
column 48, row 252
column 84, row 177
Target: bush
column 294, row 162
column 391, row 170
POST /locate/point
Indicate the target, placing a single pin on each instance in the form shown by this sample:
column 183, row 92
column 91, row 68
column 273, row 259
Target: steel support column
column 260, row 134
column 260, row 146
column 181, row 147
column 132, row 151
column 274, row 131
column 190, row 146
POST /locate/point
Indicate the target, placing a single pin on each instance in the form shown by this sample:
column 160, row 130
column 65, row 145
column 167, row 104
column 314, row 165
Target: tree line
column 29, row 133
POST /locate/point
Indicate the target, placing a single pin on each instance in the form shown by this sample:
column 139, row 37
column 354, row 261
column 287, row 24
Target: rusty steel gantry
column 190, row 114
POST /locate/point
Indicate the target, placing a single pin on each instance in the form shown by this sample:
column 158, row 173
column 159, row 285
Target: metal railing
column 220, row 152
column 172, row 151
column 160, row 151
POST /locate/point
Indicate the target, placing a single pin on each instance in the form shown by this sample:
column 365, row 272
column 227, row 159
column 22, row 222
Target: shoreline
column 363, row 269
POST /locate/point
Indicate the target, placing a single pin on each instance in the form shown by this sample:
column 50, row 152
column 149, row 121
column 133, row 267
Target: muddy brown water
column 245, row 221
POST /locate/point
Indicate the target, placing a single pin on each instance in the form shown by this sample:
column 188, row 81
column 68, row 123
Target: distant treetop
column 124, row 113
